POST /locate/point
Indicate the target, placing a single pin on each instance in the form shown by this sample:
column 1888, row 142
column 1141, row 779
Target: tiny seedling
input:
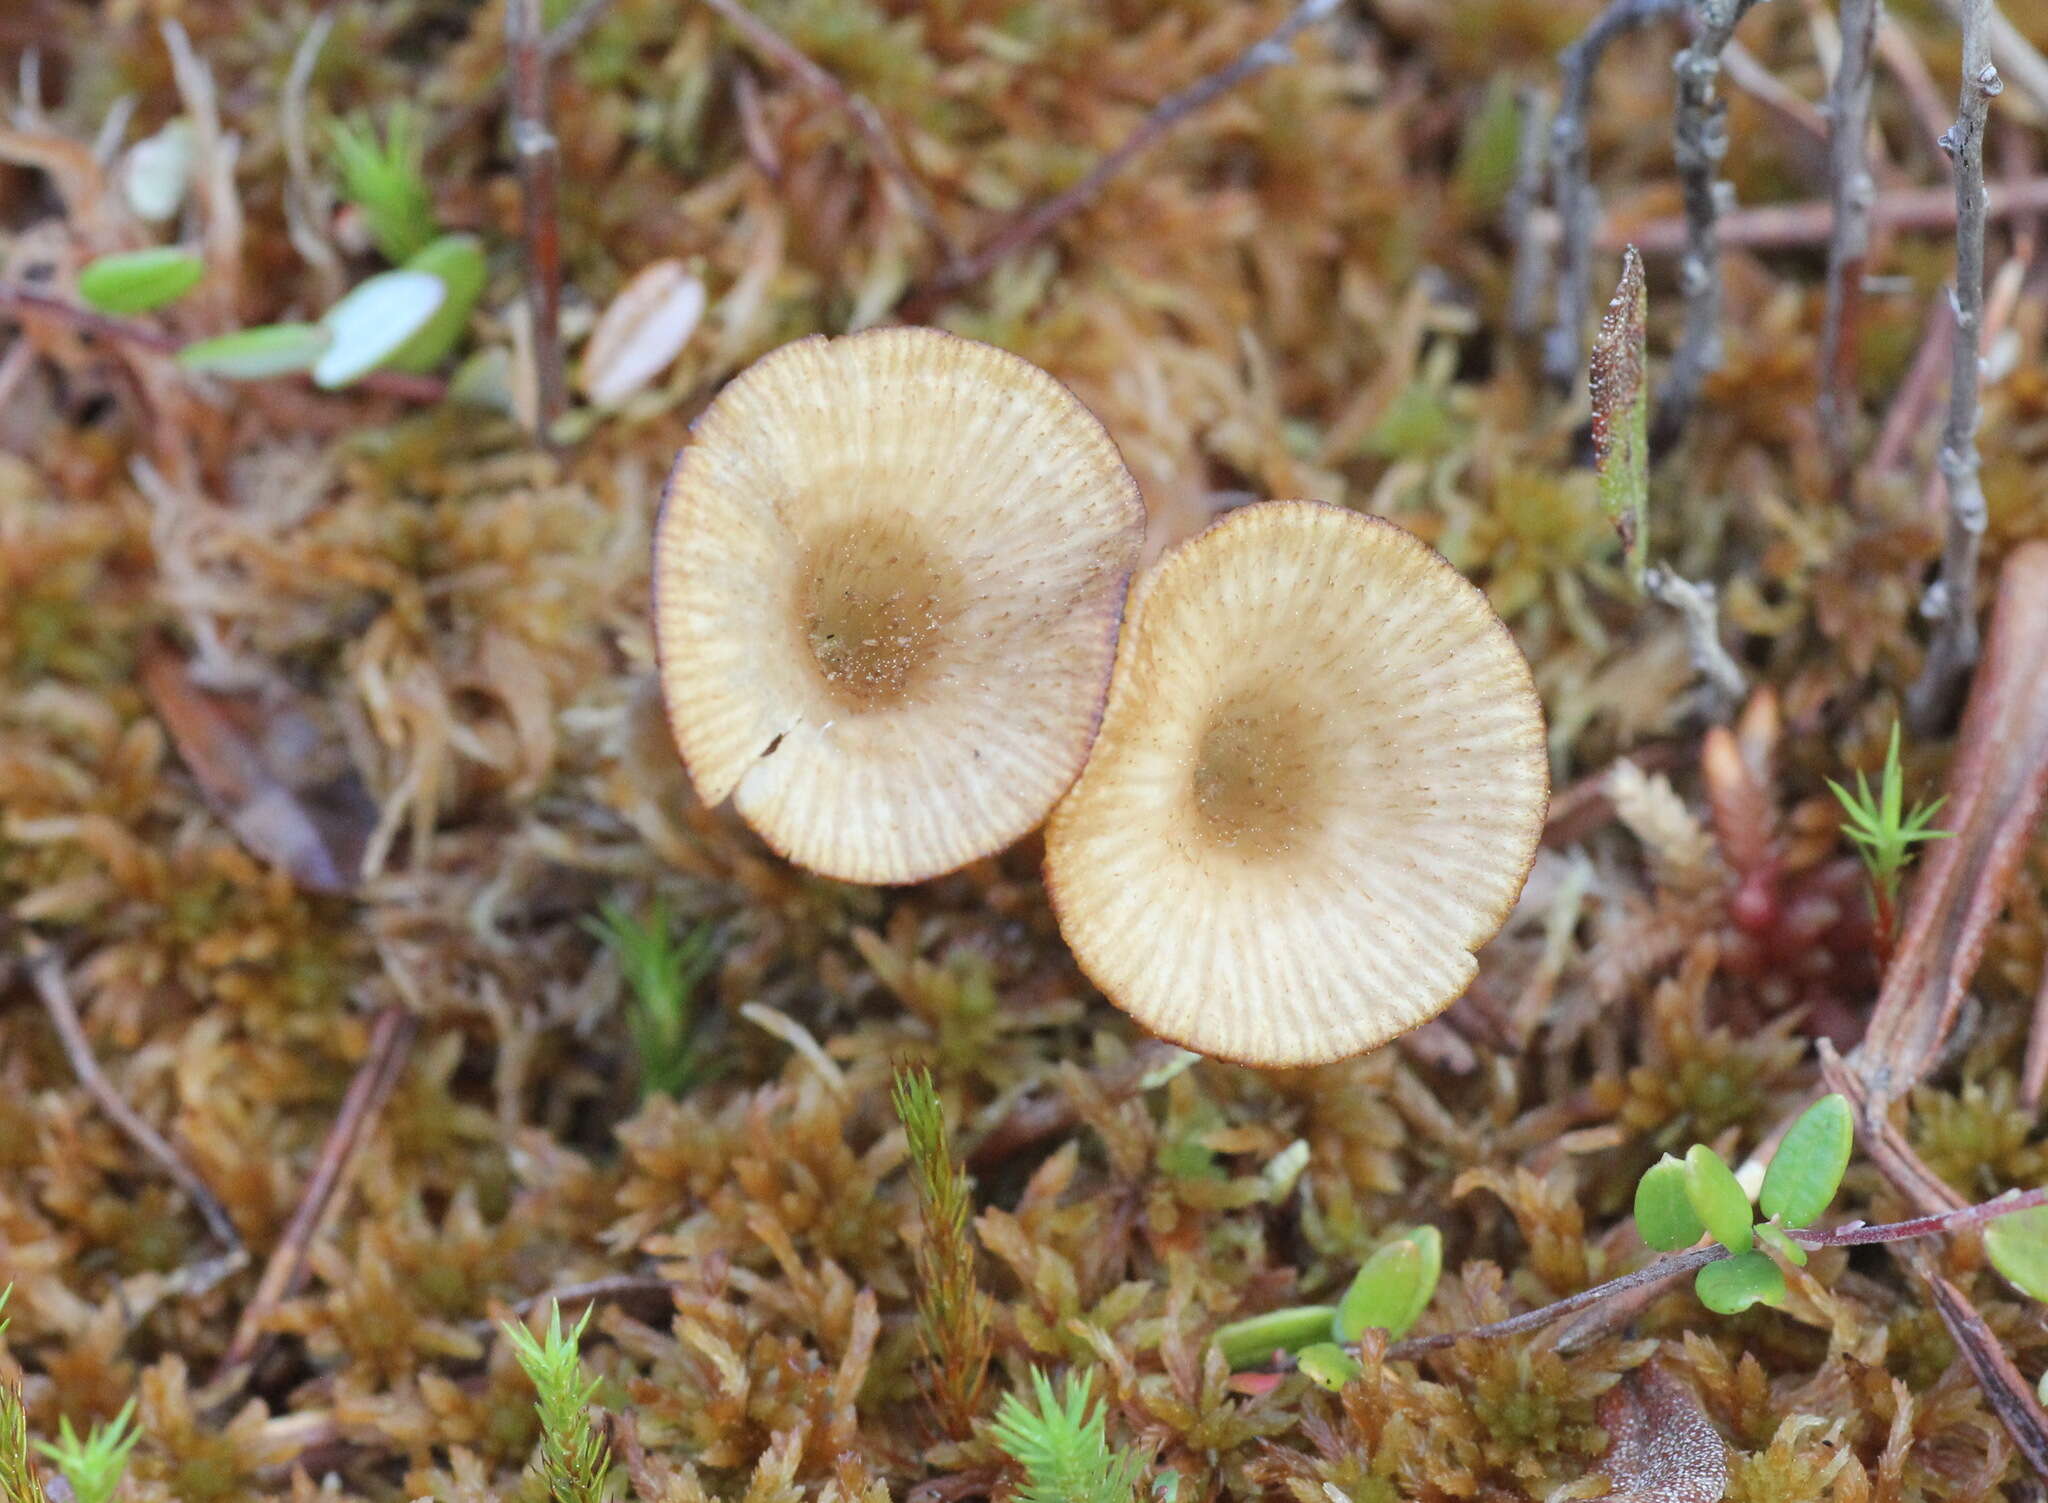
column 93, row 1465
column 1063, row 1447
column 1677, row 1201
column 663, row 973
column 1389, row 1292
column 382, row 175
column 574, row 1461
column 1884, row 831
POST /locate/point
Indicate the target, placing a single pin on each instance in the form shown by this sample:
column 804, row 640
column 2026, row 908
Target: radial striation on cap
column 888, row 577
column 1318, row 789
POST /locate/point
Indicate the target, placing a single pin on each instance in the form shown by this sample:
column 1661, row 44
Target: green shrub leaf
column 1383, row 1293
column 1717, row 1198
column 1253, row 1342
column 1328, row 1364
column 253, row 354
column 1664, row 1215
column 375, row 319
column 458, row 260
column 2018, row 1248
column 1734, row 1284
column 137, row 281
column 1807, row 1169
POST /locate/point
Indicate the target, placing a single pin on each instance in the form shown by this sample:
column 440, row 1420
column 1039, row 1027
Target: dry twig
column 1849, row 243
column 1518, row 213
column 46, row 966
column 1041, row 218
column 1699, row 140
column 1791, row 226
column 1951, row 602
column 390, row 1038
column 867, row 120
column 1571, row 181
column 539, row 157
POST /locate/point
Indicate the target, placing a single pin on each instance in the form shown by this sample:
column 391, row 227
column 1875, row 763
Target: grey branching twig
column 1699, row 612
column 1041, row 218
column 1951, row 602
column 1518, row 213
column 1571, row 180
column 1699, row 140
column 1849, row 238
column 46, row 967
column 539, row 157
column 867, row 120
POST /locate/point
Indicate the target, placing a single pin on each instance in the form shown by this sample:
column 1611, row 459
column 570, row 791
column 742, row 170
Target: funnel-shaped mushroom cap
column 887, row 582
column 1318, row 788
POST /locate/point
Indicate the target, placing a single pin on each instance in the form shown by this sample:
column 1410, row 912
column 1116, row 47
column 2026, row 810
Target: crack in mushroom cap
column 888, row 577
column 1318, row 788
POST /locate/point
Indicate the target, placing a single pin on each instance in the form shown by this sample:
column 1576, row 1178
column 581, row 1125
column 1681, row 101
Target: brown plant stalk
column 539, row 158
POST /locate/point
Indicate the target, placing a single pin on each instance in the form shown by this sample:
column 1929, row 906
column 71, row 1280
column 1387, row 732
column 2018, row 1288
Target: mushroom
column 888, row 577
column 1318, row 788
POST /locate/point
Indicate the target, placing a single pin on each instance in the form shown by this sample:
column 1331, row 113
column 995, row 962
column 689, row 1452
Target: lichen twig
column 46, row 967
column 1572, row 192
column 539, row 157
column 1699, row 140
column 1951, row 602
column 1853, row 189
column 1043, row 217
column 1699, row 612
column 1518, row 213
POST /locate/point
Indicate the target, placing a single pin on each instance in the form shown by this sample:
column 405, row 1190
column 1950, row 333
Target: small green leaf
column 1253, row 1342
column 373, row 322
column 137, row 281
column 1734, row 1284
column 458, row 260
column 1382, row 1293
column 1328, row 1364
column 1773, row 1236
column 158, row 169
column 253, row 354
column 1807, row 1169
column 1431, row 1243
column 1717, row 1198
column 1664, row 1215
column 2018, row 1248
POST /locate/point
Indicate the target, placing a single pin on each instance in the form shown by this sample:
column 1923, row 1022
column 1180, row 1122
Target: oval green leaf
column 1664, row 1216
column 1734, row 1284
column 458, row 260
column 1383, row 1293
column 2018, row 1248
column 137, row 281
column 1807, row 1169
column 1328, row 1364
column 373, row 322
column 1430, row 1243
column 1255, row 1342
column 1717, row 1198
column 253, row 354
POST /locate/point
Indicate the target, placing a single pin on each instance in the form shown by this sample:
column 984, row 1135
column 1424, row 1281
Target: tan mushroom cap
column 1318, row 788
column 887, row 581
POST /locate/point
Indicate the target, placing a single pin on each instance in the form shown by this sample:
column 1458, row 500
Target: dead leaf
column 1661, row 1446
column 640, row 334
column 259, row 763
